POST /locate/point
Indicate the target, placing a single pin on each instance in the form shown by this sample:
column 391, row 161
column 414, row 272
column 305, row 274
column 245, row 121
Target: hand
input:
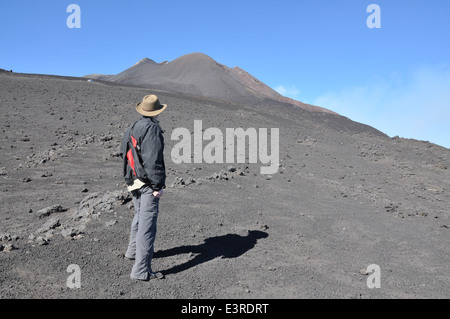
column 159, row 193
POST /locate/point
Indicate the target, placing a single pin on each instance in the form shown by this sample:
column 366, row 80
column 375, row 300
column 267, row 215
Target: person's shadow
column 227, row 246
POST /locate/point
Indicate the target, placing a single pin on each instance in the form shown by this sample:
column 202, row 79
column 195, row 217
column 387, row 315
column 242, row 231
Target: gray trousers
column 143, row 232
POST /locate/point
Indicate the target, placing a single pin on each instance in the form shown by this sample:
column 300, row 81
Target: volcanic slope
column 345, row 197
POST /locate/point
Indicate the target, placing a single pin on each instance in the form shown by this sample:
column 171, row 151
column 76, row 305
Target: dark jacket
column 150, row 139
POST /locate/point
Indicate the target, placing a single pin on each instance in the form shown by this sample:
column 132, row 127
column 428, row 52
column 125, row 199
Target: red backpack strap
column 130, row 157
column 133, row 140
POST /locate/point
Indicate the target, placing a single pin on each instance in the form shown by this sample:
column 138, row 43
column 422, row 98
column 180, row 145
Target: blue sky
column 395, row 78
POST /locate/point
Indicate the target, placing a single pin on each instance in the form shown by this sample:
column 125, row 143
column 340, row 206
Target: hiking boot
column 156, row 275
column 151, row 275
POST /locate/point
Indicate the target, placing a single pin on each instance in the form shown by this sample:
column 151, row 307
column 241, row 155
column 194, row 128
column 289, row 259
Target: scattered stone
column 391, row 208
column 231, row 169
column 189, row 181
column 8, row 248
column 5, row 237
column 363, row 272
column 213, row 177
column 72, row 226
column 71, row 233
column 49, row 235
column 106, row 138
column 240, row 173
column 111, row 223
column 49, row 210
column 41, row 241
column 46, row 174
column 441, row 166
column 223, row 175
column 52, row 223
column 178, row 181
column 68, row 232
column 89, row 201
column 83, row 213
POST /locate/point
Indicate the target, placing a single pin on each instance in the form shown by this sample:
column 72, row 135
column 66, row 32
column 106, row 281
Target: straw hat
column 150, row 106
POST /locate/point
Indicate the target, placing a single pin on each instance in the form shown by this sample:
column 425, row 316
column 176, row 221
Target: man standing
column 144, row 172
